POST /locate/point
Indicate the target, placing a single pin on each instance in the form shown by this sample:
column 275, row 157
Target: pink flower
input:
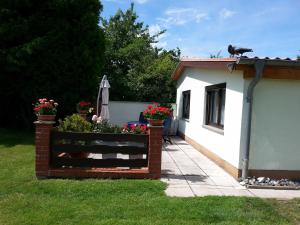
column 94, row 118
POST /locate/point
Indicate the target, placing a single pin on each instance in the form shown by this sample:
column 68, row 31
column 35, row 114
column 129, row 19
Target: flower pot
column 46, row 117
column 153, row 122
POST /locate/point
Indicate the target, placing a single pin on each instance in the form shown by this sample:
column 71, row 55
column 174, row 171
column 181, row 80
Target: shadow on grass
column 11, row 138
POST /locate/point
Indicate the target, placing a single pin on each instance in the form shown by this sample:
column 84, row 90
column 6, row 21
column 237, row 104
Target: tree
column 136, row 69
column 51, row 49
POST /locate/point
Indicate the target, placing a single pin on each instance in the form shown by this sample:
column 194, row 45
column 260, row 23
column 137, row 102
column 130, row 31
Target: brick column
column 155, row 149
column 42, row 147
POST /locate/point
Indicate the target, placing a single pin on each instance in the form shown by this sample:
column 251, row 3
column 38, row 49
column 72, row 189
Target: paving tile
column 199, row 180
column 174, row 179
column 188, row 173
column 179, row 191
column 224, row 181
column 203, row 191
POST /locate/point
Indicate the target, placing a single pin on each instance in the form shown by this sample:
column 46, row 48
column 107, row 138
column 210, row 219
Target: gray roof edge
column 269, row 62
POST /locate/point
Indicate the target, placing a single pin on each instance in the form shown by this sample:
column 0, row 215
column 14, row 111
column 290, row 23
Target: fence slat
column 99, row 149
column 104, row 163
column 143, row 138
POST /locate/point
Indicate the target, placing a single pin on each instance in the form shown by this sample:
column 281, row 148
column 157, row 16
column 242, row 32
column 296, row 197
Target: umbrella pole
column 98, row 101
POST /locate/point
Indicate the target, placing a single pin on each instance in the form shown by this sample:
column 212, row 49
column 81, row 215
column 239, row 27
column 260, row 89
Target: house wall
column 225, row 146
column 275, row 136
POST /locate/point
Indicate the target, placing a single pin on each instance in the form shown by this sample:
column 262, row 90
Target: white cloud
column 141, row 1
column 162, row 44
column 181, row 16
column 226, row 13
column 154, row 29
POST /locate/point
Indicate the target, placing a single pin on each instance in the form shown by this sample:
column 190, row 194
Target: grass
column 26, row 200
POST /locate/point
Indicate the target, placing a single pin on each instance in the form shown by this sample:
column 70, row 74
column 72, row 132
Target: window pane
column 186, row 104
column 214, row 107
column 222, row 106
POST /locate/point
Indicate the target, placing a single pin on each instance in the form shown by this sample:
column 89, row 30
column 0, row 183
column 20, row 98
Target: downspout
column 259, row 66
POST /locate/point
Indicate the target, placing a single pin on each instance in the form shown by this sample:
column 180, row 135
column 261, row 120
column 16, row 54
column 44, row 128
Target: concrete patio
column 189, row 173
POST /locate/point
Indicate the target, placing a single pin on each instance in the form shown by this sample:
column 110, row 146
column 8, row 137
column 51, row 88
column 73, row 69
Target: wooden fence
column 65, row 144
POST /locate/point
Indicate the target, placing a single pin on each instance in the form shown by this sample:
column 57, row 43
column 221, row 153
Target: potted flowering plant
column 156, row 114
column 45, row 109
column 83, row 107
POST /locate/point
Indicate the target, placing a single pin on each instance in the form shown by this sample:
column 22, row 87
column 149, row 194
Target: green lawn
column 26, row 200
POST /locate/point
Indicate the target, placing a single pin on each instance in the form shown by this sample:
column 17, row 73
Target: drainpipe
column 259, row 66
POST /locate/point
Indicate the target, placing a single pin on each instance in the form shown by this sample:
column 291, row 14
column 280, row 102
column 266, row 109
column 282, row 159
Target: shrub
column 74, row 123
column 104, row 126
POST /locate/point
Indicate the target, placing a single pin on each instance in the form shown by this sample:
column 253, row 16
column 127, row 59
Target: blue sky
column 198, row 28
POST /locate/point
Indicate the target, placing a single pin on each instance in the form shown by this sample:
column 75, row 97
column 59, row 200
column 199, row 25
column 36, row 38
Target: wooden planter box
column 55, row 154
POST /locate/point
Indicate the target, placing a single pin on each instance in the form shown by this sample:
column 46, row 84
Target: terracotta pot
column 155, row 122
column 46, row 117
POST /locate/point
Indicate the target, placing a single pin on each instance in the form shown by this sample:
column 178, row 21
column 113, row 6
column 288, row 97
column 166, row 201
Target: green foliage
column 74, row 123
column 218, row 55
column 135, row 68
column 49, row 49
column 105, row 127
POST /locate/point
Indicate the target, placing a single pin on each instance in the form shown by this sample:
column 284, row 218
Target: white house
column 243, row 113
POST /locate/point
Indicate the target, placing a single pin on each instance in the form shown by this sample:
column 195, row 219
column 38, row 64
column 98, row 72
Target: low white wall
column 122, row 112
column 275, row 136
column 227, row 145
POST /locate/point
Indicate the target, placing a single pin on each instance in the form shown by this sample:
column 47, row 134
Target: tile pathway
column 189, row 173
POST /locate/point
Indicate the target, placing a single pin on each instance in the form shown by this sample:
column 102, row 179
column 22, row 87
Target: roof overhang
column 274, row 68
column 214, row 63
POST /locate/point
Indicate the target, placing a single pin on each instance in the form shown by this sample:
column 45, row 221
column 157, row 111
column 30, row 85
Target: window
column 215, row 105
column 186, row 95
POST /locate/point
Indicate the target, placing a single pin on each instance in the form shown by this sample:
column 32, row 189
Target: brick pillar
column 42, row 147
column 155, row 149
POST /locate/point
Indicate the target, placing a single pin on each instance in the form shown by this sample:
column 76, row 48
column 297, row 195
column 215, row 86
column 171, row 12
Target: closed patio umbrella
column 104, row 94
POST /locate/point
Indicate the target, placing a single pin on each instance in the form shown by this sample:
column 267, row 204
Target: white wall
column 122, row 112
column 227, row 145
column 275, row 136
